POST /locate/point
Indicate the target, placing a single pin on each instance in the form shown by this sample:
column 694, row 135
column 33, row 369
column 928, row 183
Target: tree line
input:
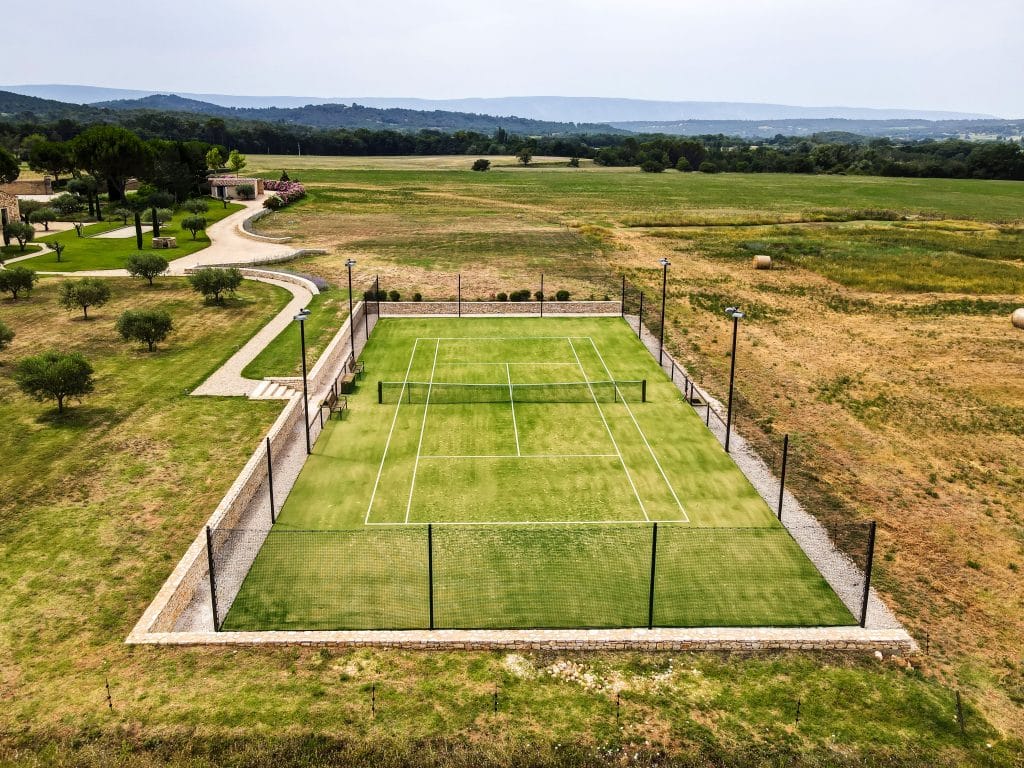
column 174, row 146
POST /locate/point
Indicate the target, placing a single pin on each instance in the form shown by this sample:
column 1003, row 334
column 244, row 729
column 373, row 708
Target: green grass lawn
column 282, row 357
column 541, row 510
column 87, row 253
column 14, row 250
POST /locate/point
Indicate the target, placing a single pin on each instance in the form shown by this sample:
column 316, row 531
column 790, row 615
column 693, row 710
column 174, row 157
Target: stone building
column 9, row 211
column 226, row 187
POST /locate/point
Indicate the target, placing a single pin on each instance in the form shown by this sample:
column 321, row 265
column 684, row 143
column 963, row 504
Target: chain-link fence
column 530, row 576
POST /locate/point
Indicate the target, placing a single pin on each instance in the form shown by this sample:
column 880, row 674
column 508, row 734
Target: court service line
column 423, row 428
column 391, row 431
column 610, row 435
column 686, row 517
column 523, row 456
column 518, row 523
column 512, row 402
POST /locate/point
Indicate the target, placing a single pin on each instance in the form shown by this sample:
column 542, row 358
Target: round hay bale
column 762, row 261
column 1017, row 318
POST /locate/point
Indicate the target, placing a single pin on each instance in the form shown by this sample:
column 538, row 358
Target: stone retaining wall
column 28, row 187
column 472, row 308
column 245, row 229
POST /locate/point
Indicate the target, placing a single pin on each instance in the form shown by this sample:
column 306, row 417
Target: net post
column 782, row 478
column 430, row 570
column 654, row 560
column 270, row 481
column 380, row 392
column 867, row 575
column 643, row 391
column 213, row 580
column 640, row 319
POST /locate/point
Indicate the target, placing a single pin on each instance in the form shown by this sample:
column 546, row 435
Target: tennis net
column 563, row 392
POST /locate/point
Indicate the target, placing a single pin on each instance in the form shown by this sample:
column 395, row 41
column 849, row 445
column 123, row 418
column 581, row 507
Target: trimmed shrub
column 246, row 191
column 562, row 296
column 273, row 203
column 417, row 297
column 538, row 295
column 502, row 296
column 394, row 296
column 523, row 295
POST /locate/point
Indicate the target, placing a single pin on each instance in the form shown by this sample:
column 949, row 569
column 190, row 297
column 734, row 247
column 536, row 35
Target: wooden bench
column 335, row 404
column 358, row 368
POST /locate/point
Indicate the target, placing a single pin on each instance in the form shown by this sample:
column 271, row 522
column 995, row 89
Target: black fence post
column 654, row 560
column 430, row 569
column 270, row 481
column 622, row 305
column 366, row 323
column 380, row 392
column 213, row 579
column 376, row 292
column 542, row 294
column 782, row 478
column 867, row 575
column 640, row 318
column 460, row 294
column 707, row 415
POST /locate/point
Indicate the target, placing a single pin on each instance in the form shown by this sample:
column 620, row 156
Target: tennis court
column 522, row 472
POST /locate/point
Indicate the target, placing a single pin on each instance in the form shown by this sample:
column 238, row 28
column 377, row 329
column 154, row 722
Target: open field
column 513, row 439
column 87, row 253
column 902, row 405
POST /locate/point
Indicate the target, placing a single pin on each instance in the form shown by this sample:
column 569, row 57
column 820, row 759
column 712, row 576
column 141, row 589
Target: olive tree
column 16, row 279
column 149, row 326
column 23, row 233
column 82, row 294
column 6, row 335
column 54, row 376
column 43, row 216
column 147, row 265
column 194, row 224
column 195, row 205
column 214, row 282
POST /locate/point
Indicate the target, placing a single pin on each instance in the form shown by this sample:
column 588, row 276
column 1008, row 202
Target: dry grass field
column 881, row 343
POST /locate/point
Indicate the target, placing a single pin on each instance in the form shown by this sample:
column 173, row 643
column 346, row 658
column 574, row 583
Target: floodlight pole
column 351, row 320
column 736, row 315
column 301, row 320
column 664, row 284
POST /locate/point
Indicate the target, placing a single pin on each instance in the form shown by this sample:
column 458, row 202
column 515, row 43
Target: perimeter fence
column 531, row 576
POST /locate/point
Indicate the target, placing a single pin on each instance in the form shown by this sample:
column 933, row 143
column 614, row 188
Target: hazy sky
column 923, row 54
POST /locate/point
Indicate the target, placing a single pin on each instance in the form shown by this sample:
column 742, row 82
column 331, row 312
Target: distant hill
column 566, row 109
column 894, row 129
column 15, row 104
column 359, row 116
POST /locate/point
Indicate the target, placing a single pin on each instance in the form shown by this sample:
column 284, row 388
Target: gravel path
column 843, row 575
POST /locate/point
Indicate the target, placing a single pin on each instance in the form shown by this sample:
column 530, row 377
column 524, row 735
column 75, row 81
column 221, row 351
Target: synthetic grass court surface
column 542, row 512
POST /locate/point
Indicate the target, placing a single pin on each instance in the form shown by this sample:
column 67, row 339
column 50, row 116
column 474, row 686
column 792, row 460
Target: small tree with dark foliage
column 6, row 335
column 147, row 265
column 149, row 326
column 214, row 282
column 483, row 164
column 194, row 224
column 23, row 233
column 82, row 294
column 16, row 279
column 54, row 376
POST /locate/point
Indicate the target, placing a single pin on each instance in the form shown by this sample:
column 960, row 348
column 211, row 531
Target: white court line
column 488, row 523
column 423, row 428
column 525, row 456
column 686, row 518
column 467, row 362
column 610, row 435
column 512, row 402
column 387, row 445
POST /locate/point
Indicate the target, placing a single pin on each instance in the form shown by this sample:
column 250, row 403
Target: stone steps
column 272, row 390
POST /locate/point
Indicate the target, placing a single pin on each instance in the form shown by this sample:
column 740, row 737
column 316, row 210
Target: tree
column 149, row 326
column 213, row 282
column 123, row 214
column 483, row 164
column 524, row 155
column 58, row 248
column 66, row 204
column 6, row 335
column 195, row 205
column 10, row 169
column 236, row 161
column 574, row 162
column 23, row 233
column 194, row 224
column 89, row 188
column 708, row 167
column 652, row 166
column 147, row 265
column 683, row 165
column 84, row 293
column 52, row 157
column 28, row 207
column 16, row 279
column 43, row 216
column 54, row 376
column 214, row 159
column 113, row 154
